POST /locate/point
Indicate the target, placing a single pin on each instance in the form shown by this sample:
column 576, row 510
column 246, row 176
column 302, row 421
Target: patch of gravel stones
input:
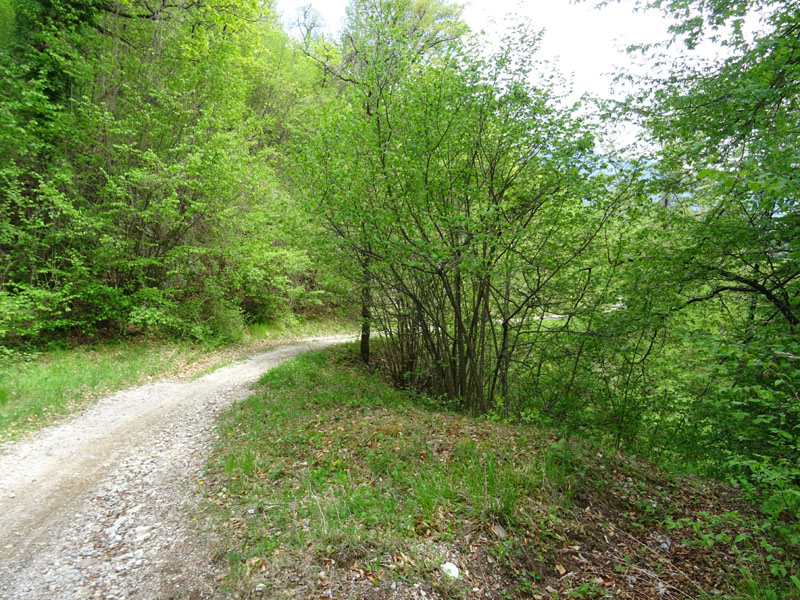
column 101, row 506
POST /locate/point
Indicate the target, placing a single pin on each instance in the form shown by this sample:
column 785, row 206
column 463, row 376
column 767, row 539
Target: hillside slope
column 329, row 484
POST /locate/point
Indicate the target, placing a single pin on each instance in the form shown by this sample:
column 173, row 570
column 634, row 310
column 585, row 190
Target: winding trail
column 101, row 505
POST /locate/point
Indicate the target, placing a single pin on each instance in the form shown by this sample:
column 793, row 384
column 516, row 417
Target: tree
column 725, row 267
column 469, row 194
column 382, row 42
column 139, row 166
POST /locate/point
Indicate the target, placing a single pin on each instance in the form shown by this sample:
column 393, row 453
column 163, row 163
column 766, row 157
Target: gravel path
column 100, row 506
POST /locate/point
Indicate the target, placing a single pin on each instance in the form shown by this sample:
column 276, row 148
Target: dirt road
column 102, row 505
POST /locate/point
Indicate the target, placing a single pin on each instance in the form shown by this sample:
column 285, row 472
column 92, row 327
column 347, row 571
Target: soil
column 102, row 505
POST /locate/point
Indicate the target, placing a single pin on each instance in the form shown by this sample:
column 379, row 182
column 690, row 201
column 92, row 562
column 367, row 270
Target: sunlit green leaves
column 136, row 167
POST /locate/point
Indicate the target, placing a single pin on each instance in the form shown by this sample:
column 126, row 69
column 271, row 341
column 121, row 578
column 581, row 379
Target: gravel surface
column 100, row 506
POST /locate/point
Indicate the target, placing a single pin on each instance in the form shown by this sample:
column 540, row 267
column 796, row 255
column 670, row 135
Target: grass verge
column 34, row 390
column 329, row 484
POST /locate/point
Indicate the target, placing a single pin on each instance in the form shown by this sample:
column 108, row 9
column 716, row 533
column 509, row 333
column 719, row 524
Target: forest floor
column 329, row 484
column 100, row 505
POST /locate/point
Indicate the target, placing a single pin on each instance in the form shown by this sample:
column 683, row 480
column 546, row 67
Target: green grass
column 37, row 389
column 362, row 472
column 327, row 463
column 55, row 382
column 327, row 480
column 290, row 326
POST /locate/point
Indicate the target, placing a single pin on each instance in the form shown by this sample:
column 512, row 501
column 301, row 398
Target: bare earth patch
column 100, row 506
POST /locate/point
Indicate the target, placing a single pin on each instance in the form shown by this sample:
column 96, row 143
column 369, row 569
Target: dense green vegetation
column 183, row 168
column 137, row 179
column 329, row 482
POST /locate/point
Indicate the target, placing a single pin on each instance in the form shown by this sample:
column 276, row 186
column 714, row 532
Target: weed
column 349, row 478
column 562, row 467
column 492, row 489
column 36, row 388
column 589, row 591
column 450, row 588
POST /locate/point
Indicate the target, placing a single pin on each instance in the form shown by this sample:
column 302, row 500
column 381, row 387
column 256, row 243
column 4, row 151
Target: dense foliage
column 136, row 159
column 724, row 274
column 648, row 300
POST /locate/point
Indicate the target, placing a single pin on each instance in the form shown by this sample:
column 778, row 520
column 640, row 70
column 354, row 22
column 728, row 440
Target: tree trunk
column 366, row 314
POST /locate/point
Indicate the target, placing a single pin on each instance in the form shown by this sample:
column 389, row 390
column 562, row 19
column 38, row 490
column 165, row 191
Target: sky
column 587, row 43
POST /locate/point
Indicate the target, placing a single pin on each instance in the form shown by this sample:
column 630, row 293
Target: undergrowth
column 329, row 483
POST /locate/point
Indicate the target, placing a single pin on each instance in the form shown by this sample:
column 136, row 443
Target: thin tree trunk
column 366, row 314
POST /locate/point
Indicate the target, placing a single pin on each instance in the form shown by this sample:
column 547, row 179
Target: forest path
column 102, row 505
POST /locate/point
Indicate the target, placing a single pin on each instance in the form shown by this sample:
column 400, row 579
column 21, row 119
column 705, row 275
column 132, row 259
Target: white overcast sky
column 587, row 43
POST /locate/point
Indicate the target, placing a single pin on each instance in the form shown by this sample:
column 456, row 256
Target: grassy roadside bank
column 40, row 388
column 328, row 484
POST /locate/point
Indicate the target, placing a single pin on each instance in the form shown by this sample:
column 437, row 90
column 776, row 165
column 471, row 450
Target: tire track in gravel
column 99, row 506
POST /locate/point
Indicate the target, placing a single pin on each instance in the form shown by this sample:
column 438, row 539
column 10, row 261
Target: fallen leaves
column 613, row 538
